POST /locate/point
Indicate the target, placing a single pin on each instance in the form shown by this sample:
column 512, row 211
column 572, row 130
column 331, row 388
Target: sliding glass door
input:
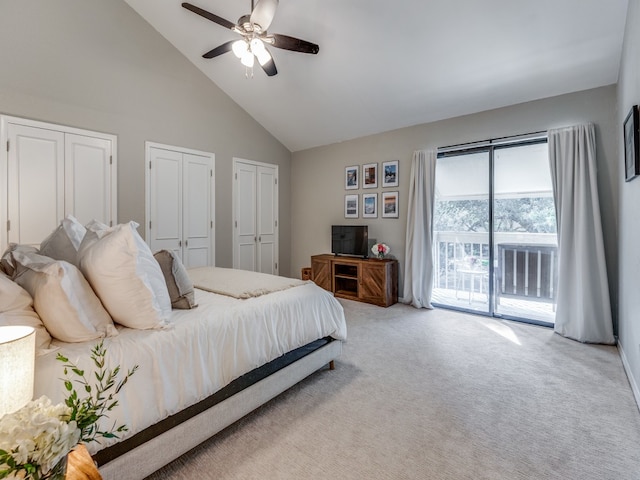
column 524, row 233
column 461, row 230
column 495, row 232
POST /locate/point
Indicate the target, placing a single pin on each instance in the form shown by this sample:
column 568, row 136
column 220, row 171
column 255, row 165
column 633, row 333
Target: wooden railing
column 527, row 271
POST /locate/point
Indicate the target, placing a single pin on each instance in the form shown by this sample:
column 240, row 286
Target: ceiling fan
column 255, row 38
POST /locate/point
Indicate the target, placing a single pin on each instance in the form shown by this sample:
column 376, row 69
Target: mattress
column 203, row 350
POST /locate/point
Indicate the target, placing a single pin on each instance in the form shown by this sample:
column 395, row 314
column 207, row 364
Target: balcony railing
column 525, row 264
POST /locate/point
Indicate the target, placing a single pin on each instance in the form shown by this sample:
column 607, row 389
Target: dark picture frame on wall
column 390, row 173
column 351, row 177
column 389, row 204
column 370, row 175
column 369, row 205
column 631, row 145
column 351, row 206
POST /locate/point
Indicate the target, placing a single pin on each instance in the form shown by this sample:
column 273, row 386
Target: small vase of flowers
column 380, row 250
column 36, row 439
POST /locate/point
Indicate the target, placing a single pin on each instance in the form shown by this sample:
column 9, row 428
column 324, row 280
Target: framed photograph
column 370, row 175
column 631, row 145
column 389, row 204
column 390, row 174
column 351, row 177
column 369, row 205
column 351, row 206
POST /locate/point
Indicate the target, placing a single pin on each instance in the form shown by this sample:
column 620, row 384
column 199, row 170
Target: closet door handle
column 180, row 243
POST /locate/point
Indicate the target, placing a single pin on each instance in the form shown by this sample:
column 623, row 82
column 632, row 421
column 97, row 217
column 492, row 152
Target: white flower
column 39, row 433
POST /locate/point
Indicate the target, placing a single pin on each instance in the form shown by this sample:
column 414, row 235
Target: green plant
column 100, row 400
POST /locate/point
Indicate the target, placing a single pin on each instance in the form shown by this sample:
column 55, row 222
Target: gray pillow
column 64, row 241
column 8, row 263
column 178, row 282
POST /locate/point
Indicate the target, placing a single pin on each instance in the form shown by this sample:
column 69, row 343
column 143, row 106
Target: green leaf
column 68, row 385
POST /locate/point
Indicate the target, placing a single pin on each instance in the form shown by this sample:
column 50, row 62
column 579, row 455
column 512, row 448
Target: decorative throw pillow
column 7, row 263
column 177, row 279
column 64, row 241
column 16, row 308
column 122, row 271
column 63, row 299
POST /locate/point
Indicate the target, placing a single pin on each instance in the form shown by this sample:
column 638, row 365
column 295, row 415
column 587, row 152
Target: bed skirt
column 158, row 445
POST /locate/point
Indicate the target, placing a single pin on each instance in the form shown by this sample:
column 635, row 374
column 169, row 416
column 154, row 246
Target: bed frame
column 158, row 445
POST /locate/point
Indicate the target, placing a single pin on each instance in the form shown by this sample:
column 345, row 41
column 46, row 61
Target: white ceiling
column 389, row 64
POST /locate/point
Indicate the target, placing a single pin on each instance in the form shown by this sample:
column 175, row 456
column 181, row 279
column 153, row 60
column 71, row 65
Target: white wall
column 318, row 174
column 629, row 198
column 98, row 65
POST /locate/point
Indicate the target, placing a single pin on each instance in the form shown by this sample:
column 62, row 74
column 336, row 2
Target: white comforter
column 203, row 350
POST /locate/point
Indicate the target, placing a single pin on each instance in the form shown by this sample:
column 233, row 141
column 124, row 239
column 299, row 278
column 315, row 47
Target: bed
column 222, row 343
column 199, row 369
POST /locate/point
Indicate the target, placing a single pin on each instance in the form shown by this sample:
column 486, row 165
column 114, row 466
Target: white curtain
column 418, row 265
column 583, row 306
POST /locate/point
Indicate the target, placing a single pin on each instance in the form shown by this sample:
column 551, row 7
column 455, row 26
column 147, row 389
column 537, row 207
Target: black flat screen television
column 350, row 240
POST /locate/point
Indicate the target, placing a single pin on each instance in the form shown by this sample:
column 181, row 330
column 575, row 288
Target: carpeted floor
column 440, row 395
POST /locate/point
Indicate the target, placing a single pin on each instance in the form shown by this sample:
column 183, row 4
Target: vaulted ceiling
column 385, row 65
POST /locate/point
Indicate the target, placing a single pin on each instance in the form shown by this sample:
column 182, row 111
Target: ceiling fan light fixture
column 239, row 48
column 253, row 28
column 259, row 50
column 247, row 59
column 263, row 57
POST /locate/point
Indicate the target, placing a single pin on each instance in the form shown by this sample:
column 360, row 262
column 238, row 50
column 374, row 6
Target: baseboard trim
column 627, row 370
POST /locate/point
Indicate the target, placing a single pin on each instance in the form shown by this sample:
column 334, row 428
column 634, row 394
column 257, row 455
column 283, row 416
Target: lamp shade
column 17, row 362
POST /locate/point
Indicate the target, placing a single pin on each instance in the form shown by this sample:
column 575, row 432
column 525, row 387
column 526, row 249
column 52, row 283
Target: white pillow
column 63, row 299
column 16, row 308
column 64, row 241
column 122, row 271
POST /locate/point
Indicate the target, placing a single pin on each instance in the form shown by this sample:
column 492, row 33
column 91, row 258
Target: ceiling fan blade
column 294, row 44
column 270, row 68
column 263, row 13
column 219, row 50
column 209, row 16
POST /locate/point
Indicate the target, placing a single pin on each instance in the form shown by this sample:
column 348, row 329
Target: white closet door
column 197, row 174
column 35, row 190
column 88, row 178
column 267, row 220
column 246, row 215
column 165, row 202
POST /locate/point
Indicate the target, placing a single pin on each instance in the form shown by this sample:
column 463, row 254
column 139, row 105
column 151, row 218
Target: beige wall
column 629, row 197
column 98, row 65
column 318, row 174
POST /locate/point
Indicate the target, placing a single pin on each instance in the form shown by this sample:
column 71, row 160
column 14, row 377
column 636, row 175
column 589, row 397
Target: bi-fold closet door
column 49, row 171
column 255, row 210
column 180, row 203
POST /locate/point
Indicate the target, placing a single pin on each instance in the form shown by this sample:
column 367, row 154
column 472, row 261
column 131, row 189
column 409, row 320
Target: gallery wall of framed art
column 368, row 177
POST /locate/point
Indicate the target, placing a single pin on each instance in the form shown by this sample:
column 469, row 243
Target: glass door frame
column 490, row 147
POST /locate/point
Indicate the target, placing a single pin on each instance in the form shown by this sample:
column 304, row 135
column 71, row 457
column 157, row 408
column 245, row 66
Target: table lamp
column 17, row 362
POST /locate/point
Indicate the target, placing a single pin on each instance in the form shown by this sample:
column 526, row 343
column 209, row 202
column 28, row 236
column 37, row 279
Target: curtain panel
column 583, row 310
column 418, row 269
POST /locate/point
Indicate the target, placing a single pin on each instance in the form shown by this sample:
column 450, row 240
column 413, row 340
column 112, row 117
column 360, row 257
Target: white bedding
column 204, row 350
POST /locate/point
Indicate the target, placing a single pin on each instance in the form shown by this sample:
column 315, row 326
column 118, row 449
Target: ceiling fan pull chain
column 248, row 70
